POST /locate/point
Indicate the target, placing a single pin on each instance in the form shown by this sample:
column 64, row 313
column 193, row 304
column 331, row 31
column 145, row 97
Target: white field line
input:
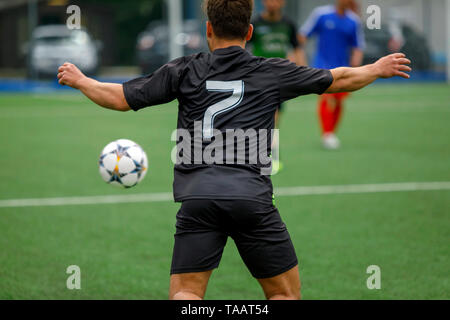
column 129, row 198
column 362, row 188
column 280, row 192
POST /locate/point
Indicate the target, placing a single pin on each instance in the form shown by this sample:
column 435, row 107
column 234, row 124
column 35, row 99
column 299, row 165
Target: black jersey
column 228, row 89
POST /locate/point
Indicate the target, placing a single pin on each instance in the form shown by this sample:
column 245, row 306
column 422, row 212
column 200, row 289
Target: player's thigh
column 199, row 240
column 329, row 98
column 189, row 286
column 262, row 239
column 283, row 286
column 340, row 96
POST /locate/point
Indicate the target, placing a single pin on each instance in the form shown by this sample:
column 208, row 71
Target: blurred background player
column 275, row 36
column 340, row 43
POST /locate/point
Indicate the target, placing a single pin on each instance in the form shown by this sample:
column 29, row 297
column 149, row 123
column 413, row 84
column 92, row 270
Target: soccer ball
column 123, row 163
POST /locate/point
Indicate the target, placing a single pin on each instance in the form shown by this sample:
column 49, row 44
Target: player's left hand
column 393, row 65
column 70, row 75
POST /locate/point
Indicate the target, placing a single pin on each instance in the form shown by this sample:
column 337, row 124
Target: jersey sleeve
column 311, row 24
column 294, row 81
column 357, row 39
column 157, row 88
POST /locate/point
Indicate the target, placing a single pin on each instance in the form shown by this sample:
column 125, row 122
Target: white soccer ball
column 123, row 163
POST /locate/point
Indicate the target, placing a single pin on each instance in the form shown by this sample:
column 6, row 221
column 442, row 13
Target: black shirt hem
column 222, row 197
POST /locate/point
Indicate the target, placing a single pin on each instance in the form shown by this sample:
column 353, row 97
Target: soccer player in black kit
column 225, row 89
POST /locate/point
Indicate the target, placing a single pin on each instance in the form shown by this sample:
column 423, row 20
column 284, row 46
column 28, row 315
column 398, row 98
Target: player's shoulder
column 183, row 64
column 285, row 19
column 275, row 63
column 351, row 15
column 324, row 10
column 200, row 56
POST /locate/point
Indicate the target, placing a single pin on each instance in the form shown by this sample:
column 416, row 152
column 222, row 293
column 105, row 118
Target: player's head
column 228, row 19
column 273, row 6
column 345, row 4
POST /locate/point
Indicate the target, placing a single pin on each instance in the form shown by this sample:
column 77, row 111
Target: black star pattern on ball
column 122, row 151
column 139, row 168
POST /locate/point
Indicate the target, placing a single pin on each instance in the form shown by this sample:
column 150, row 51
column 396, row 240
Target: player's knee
column 286, row 296
column 288, row 293
column 184, row 295
column 188, row 286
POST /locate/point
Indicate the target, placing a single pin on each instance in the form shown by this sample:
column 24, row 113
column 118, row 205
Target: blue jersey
column 337, row 36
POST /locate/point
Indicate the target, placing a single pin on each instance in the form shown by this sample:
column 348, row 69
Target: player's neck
column 223, row 43
column 271, row 16
column 341, row 10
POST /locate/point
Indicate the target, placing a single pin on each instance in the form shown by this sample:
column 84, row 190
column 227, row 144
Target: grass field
column 390, row 133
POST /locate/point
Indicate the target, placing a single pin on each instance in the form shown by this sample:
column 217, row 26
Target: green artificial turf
column 390, row 133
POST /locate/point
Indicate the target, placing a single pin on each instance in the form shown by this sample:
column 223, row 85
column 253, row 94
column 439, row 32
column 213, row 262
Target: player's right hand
column 393, row 65
column 70, row 75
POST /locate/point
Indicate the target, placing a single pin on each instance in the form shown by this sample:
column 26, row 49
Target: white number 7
column 237, row 87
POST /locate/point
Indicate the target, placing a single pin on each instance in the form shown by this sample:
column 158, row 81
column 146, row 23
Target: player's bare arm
column 298, row 57
column 352, row 79
column 303, row 40
column 107, row 95
column 356, row 58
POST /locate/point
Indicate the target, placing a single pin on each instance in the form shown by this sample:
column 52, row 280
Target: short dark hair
column 230, row 19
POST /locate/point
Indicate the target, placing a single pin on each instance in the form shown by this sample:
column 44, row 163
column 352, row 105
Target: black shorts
column 203, row 227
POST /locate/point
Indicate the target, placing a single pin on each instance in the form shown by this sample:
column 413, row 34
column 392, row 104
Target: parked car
column 416, row 47
column 153, row 43
column 52, row 45
column 377, row 44
column 398, row 37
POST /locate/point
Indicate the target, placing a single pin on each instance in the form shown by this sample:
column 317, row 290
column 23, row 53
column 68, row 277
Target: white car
column 52, row 45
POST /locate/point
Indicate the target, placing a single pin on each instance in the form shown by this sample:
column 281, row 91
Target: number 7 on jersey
column 237, row 89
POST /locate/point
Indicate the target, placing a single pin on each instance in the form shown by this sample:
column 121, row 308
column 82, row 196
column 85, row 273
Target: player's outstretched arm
column 352, row 79
column 107, row 95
